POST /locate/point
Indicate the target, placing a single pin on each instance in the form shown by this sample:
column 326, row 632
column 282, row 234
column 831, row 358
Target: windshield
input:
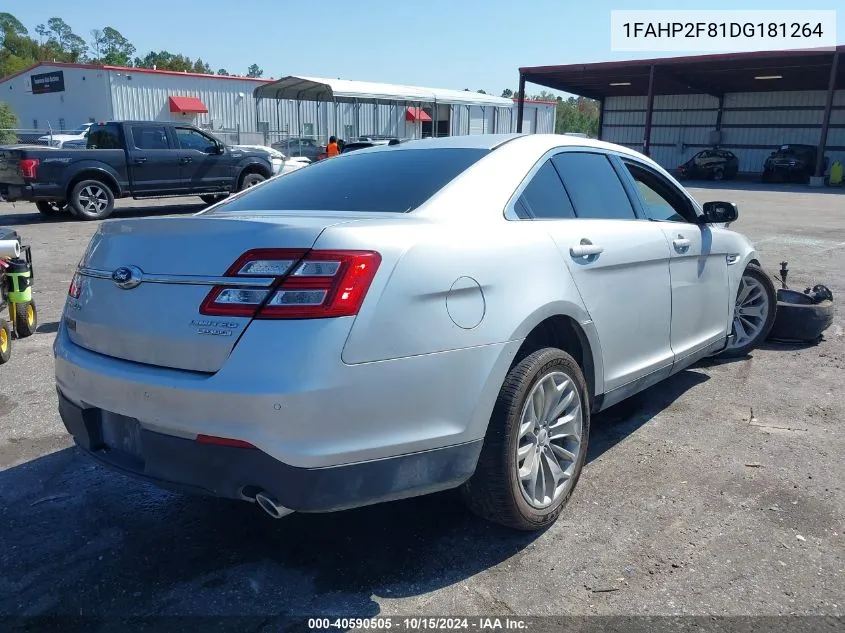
column 386, row 181
column 82, row 128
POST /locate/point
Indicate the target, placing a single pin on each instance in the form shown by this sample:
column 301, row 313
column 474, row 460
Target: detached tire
column 26, row 319
column 800, row 320
column 535, row 445
column 50, row 208
column 91, row 200
column 755, row 308
column 5, row 341
column 250, row 180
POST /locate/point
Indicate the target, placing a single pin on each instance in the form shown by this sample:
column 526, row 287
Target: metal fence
column 27, row 136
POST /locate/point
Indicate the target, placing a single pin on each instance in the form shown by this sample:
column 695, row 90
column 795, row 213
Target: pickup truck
column 138, row 159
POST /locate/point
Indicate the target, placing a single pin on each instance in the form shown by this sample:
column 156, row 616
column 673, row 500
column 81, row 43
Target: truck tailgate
column 9, row 172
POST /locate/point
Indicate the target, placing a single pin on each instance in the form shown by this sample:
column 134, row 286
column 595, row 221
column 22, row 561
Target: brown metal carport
column 716, row 75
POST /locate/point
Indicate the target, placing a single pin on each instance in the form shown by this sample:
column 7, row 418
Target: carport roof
column 805, row 69
column 345, row 90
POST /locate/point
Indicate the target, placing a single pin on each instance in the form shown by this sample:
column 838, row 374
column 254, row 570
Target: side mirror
column 719, row 213
column 219, row 148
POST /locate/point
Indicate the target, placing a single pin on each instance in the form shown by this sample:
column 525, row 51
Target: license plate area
column 122, row 437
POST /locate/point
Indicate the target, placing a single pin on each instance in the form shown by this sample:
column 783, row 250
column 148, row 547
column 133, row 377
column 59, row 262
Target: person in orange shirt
column 332, row 149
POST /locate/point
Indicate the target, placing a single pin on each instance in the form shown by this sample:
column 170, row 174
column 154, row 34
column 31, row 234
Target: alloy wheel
column 750, row 311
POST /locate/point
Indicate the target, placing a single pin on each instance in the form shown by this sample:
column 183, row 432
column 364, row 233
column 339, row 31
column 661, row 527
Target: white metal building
column 747, row 103
column 63, row 96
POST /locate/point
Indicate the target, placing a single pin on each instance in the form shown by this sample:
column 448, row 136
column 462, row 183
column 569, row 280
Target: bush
column 8, row 122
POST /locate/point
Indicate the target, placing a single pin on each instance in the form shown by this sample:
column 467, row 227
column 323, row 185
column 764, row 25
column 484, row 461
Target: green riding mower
column 16, row 277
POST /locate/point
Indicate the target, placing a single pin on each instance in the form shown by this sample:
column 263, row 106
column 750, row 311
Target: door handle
column 140, row 160
column 681, row 244
column 186, row 160
column 585, row 250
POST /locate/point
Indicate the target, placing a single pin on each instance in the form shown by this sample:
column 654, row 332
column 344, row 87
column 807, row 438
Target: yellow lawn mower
column 16, row 278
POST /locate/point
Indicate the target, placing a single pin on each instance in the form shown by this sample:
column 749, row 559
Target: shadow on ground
column 28, row 215
column 82, row 538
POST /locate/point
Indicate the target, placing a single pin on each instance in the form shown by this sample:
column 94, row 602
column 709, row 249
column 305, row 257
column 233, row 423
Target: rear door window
column 544, row 198
column 384, row 181
column 594, row 187
column 150, row 137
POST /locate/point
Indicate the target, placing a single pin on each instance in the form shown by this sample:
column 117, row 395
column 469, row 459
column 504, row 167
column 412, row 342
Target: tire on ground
column 801, row 322
column 250, row 180
column 5, row 341
column 753, row 270
column 91, row 200
column 26, row 319
column 49, row 208
column 494, row 490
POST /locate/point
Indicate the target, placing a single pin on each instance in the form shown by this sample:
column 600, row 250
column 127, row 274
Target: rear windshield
column 387, row 181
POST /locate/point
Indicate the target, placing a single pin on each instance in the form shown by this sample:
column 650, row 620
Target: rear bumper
column 239, row 473
column 31, row 192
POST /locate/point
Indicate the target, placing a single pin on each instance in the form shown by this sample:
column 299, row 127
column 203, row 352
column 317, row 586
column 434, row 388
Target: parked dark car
column 139, row 159
column 794, row 163
column 294, row 147
column 711, row 164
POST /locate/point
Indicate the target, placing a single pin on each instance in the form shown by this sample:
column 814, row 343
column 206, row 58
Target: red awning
column 416, row 114
column 187, row 105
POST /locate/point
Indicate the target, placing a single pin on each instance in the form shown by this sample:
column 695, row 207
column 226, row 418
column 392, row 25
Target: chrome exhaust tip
column 271, row 506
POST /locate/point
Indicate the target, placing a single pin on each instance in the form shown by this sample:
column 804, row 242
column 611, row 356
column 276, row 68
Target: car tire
column 500, row 490
column 26, row 319
column 250, row 180
column 799, row 319
column 91, row 200
column 755, row 308
column 50, row 208
column 214, row 198
column 766, row 176
column 718, row 173
column 5, row 341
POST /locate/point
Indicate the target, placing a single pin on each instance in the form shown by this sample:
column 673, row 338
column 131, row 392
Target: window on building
column 150, row 137
column 191, row 139
column 307, row 129
column 594, row 188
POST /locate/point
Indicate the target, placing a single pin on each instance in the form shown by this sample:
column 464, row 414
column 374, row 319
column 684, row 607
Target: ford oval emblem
column 127, row 277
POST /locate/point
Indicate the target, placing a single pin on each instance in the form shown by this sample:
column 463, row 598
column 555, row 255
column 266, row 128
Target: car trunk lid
column 142, row 283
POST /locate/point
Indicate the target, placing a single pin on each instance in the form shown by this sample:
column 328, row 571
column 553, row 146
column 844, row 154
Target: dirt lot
column 689, row 503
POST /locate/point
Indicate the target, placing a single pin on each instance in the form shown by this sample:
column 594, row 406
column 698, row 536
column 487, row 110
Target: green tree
column 116, row 49
column 202, row 67
column 8, row 122
column 19, row 52
column 222, row 71
column 254, row 71
column 507, row 93
column 69, row 47
column 8, row 22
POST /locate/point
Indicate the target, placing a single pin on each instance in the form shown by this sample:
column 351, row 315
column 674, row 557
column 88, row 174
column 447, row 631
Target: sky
column 476, row 44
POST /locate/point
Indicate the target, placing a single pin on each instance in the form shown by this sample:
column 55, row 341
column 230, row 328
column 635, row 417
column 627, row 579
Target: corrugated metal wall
column 753, row 124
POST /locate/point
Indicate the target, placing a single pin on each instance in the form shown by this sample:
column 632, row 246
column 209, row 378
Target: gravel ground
column 717, row 492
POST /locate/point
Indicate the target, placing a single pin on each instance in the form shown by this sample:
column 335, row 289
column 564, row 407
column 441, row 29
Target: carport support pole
column 649, row 108
column 828, row 106
column 601, row 117
column 520, row 103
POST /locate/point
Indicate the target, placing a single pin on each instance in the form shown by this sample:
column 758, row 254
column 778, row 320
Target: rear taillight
column 306, row 285
column 75, row 286
column 28, row 167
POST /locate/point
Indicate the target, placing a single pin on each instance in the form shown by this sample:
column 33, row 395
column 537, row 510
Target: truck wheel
column 92, row 200
column 50, row 208
column 213, row 198
column 719, row 173
column 5, row 341
column 250, row 180
column 754, row 313
column 26, row 319
column 536, row 443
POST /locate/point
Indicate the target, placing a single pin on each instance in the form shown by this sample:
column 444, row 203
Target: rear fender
column 95, row 170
